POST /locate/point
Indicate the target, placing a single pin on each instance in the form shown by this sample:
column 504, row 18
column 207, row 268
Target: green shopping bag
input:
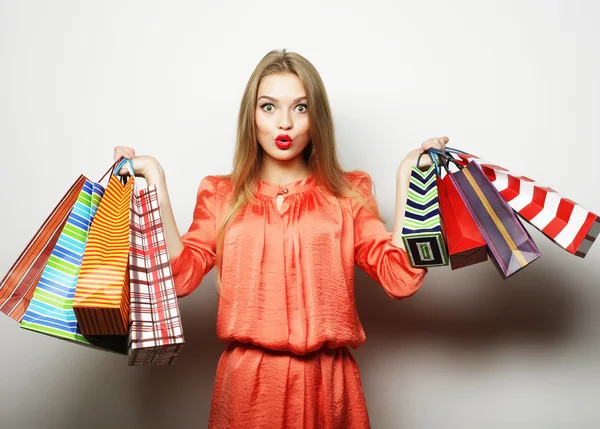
column 422, row 230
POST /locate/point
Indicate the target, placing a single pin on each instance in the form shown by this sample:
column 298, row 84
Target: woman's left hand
column 410, row 160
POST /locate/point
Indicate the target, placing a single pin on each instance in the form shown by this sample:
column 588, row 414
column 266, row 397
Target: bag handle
column 419, row 158
column 117, row 165
column 445, row 154
column 109, row 170
column 430, row 153
column 129, row 164
column 438, row 159
column 452, row 150
column 122, row 163
column 434, row 157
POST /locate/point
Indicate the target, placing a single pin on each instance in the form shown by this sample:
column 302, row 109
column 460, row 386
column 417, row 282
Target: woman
column 285, row 229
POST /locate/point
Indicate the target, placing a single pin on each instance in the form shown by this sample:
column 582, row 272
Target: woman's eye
column 269, row 107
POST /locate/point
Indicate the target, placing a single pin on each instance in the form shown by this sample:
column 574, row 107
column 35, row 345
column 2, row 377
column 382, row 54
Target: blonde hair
column 320, row 154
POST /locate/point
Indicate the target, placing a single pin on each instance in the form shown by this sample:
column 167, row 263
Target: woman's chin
column 283, row 154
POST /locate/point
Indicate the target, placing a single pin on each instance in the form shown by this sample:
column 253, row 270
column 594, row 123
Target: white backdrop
column 515, row 82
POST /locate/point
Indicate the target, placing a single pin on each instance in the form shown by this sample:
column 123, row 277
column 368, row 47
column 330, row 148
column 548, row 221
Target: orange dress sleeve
column 199, row 242
column 374, row 251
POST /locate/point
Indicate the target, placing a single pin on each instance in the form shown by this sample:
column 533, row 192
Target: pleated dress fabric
column 287, row 309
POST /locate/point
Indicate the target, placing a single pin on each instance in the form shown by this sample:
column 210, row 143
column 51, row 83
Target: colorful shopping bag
column 563, row 221
column 18, row 285
column 509, row 243
column 422, row 230
column 156, row 334
column 51, row 308
column 466, row 245
column 101, row 301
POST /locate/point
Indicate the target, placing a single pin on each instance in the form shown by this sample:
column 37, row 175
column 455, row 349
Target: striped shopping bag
column 156, row 334
column 18, row 285
column 563, row 221
column 510, row 245
column 51, row 309
column 101, row 301
column 422, row 230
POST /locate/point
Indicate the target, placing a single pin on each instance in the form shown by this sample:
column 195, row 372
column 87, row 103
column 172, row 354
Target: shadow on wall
column 474, row 307
column 180, row 395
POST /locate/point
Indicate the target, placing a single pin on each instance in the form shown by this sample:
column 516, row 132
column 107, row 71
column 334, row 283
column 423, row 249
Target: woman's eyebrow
column 276, row 100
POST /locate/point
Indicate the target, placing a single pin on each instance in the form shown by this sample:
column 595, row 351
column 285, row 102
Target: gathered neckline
column 273, row 189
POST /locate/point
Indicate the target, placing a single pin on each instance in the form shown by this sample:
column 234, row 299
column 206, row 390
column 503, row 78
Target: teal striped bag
column 51, row 309
column 422, row 229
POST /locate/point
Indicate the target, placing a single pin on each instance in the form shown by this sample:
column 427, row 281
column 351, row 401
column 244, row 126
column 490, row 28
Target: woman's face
column 282, row 116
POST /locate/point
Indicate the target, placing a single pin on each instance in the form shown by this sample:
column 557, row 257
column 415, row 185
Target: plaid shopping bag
column 156, row 334
column 18, row 285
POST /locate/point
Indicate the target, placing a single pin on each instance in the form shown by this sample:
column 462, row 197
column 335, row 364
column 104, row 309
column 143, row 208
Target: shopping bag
column 562, row 220
column 101, row 301
column 510, row 245
column 466, row 245
column 18, row 285
column 51, row 309
column 156, row 335
column 421, row 230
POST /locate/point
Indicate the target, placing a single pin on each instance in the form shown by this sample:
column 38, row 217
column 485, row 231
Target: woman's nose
column 285, row 122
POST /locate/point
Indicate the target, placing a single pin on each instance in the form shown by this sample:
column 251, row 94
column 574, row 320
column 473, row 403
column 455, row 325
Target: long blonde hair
column 320, row 154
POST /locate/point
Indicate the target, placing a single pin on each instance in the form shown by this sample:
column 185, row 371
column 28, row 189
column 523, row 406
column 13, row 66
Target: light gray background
column 515, row 82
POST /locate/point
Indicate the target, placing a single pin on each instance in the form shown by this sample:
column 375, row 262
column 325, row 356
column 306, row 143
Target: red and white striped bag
column 156, row 333
column 562, row 220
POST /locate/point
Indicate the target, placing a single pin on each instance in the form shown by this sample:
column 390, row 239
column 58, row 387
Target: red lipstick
column 283, row 141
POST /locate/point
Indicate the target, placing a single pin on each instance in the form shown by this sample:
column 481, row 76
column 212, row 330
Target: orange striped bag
column 101, row 301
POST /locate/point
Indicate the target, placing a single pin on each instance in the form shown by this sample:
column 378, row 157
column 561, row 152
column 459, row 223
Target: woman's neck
column 283, row 172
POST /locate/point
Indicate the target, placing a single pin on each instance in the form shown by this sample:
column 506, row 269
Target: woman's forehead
column 281, row 86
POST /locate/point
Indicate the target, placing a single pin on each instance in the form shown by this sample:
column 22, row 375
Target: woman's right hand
column 149, row 168
column 143, row 166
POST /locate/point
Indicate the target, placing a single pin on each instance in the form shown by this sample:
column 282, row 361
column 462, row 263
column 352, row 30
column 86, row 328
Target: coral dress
column 287, row 310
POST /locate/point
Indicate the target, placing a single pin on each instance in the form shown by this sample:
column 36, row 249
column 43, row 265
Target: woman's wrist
column 154, row 174
column 404, row 169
